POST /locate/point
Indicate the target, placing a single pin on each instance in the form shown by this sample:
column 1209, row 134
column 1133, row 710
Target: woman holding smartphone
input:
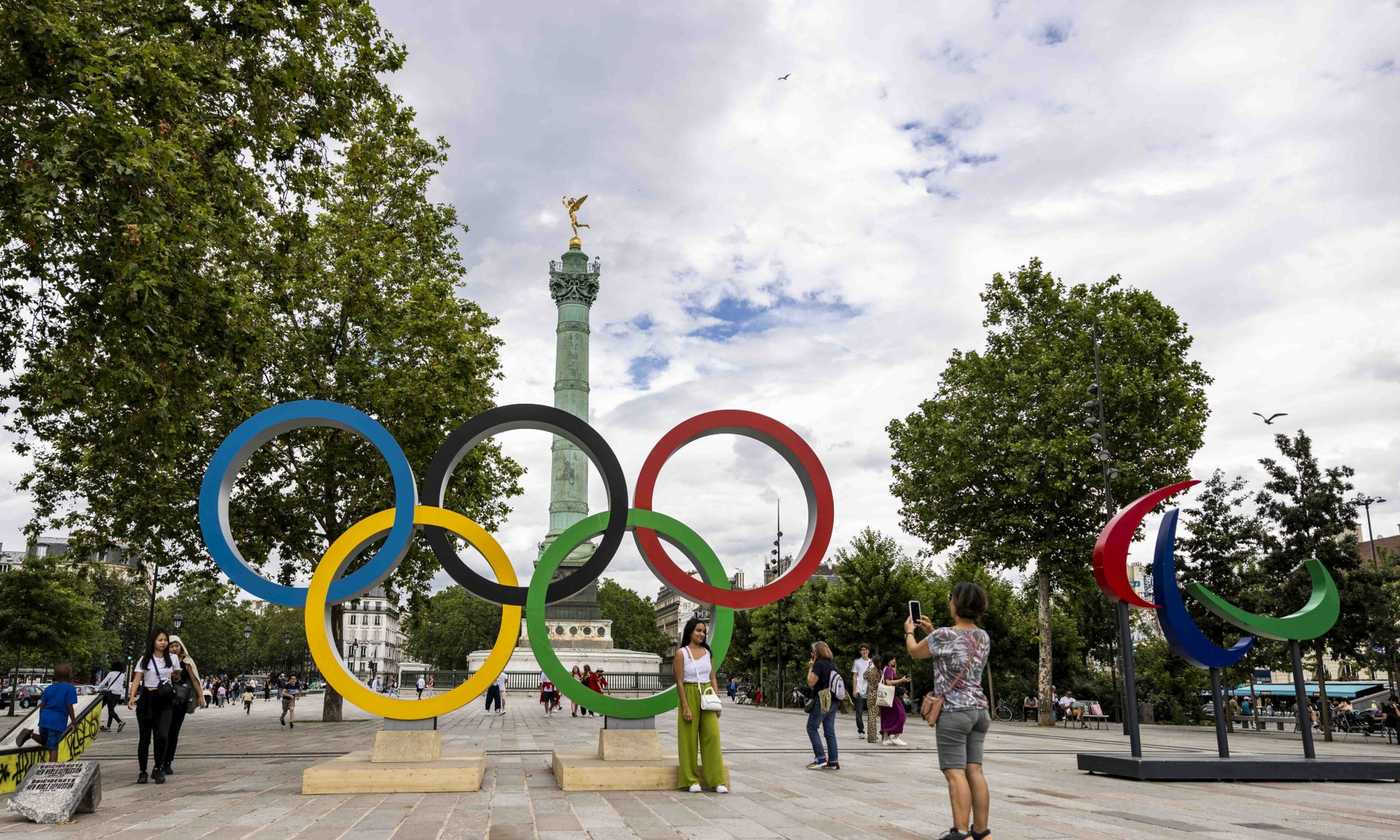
column 152, row 694
column 959, row 655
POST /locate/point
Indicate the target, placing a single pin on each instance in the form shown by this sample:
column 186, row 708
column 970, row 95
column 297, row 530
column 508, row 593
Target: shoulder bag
column 884, row 695
column 709, row 701
column 164, row 690
column 932, row 706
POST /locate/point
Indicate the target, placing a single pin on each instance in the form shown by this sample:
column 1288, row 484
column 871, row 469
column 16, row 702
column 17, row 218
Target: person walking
column 821, row 708
column 150, row 693
column 577, row 674
column 501, row 694
column 590, row 679
column 893, row 716
column 186, row 690
column 697, row 730
column 291, row 690
column 546, row 695
column 420, row 685
column 858, row 687
column 959, row 655
column 873, row 677
column 493, row 696
column 247, row 699
column 111, row 688
column 732, row 688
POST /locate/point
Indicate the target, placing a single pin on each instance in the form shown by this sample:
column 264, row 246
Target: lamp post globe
column 179, row 620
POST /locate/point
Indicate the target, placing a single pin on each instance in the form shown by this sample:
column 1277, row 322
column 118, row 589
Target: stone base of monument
column 53, row 793
column 1208, row 768
column 629, row 757
column 407, row 758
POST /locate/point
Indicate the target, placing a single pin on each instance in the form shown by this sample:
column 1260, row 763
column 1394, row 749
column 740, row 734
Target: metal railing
column 618, row 682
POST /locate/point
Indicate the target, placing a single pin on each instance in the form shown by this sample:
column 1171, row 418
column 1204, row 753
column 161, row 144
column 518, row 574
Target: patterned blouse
column 952, row 652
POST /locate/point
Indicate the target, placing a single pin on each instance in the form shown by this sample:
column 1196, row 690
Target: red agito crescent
column 1111, row 549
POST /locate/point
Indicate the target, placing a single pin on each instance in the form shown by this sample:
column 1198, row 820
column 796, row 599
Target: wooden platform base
column 1207, row 768
column 356, row 773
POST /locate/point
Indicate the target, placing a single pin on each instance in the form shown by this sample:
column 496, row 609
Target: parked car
column 28, row 695
column 85, row 689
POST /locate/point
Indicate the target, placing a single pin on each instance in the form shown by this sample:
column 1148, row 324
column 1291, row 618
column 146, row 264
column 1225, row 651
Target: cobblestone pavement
column 238, row 776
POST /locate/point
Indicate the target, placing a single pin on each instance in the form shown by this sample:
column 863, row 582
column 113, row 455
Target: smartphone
column 914, row 611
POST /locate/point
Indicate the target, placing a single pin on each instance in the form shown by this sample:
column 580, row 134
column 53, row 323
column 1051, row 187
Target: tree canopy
column 633, row 619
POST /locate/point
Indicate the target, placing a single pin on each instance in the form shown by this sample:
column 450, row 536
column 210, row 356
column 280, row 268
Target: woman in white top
column 697, row 730
column 151, row 693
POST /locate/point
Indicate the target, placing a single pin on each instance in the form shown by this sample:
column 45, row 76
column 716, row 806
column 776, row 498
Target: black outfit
column 111, row 699
column 823, row 668
column 177, row 720
column 153, row 716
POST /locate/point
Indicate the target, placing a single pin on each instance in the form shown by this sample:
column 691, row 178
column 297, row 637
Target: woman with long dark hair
column 187, row 688
column 152, row 693
column 697, row 730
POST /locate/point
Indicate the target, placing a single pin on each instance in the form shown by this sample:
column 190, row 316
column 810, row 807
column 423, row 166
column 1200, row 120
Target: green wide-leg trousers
column 699, row 735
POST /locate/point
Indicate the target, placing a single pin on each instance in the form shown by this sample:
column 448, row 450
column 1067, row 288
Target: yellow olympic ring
column 318, row 619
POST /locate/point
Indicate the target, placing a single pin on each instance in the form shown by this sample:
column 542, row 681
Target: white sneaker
column 884, row 740
column 721, row 789
column 898, row 741
column 695, row 788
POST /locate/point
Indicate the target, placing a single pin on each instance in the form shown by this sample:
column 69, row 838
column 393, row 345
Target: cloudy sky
column 813, row 248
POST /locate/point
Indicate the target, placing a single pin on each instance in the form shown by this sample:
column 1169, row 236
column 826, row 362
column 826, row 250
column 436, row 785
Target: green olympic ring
column 1315, row 618
column 678, row 535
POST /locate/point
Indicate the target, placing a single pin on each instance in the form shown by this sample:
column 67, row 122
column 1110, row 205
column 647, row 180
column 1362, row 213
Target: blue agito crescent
column 1183, row 635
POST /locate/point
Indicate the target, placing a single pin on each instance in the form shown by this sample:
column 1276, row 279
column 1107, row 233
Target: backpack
column 838, row 686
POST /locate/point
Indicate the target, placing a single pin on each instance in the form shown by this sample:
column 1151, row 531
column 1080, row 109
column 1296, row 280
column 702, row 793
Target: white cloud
column 1237, row 162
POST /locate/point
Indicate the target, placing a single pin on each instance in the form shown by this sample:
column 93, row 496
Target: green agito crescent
column 1315, row 618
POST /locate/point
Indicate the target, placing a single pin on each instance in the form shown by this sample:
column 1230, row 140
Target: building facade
column 58, row 548
column 370, row 633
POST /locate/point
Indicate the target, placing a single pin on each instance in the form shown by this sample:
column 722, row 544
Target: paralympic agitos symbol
column 1314, row 619
column 329, row 584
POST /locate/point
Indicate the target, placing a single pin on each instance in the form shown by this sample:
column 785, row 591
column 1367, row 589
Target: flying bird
column 783, row 78
column 1269, row 421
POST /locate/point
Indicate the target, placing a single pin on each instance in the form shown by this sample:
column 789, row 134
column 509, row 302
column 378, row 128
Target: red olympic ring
column 821, row 509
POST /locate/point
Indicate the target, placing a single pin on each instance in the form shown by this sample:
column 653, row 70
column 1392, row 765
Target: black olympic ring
column 541, row 418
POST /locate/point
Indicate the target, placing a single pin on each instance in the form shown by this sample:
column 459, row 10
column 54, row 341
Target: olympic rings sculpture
column 396, row 526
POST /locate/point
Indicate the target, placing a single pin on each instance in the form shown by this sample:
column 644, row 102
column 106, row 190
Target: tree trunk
column 1324, row 709
column 1047, row 713
column 332, row 710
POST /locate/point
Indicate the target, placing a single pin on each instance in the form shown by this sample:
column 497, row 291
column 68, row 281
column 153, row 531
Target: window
column 376, row 621
column 352, row 620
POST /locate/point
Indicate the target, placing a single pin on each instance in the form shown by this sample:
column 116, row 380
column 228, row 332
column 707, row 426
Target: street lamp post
column 1125, row 630
column 247, row 657
column 1366, row 501
column 782, row 625
column 178, row 620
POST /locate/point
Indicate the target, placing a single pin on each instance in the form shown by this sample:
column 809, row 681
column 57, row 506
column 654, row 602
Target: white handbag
column 885, row 696
column 709, row 701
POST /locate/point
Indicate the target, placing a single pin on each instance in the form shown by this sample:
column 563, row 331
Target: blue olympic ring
column 239, row 446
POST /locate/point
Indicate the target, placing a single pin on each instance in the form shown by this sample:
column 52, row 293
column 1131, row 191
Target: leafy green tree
column 1171, row 684
column 783, row 632
column 444, row 629
column 249, row 225
column 869, row 599
column 1311, row 516
column 47, row 617
column 212, row 622
column 124, row 599
column 1221, row 549
column 633, row 617
column 1000, row 460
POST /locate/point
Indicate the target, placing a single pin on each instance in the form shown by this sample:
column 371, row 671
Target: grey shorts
column 961, row 733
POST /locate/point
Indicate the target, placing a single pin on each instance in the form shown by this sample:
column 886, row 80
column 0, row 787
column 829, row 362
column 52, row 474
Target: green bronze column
column 573, row 283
